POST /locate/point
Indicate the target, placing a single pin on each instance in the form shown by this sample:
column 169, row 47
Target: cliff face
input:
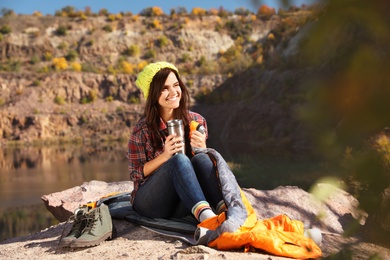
column 55, row 112
column 66, row 79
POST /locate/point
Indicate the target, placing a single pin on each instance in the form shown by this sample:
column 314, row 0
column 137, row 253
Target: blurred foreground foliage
column 348, row 108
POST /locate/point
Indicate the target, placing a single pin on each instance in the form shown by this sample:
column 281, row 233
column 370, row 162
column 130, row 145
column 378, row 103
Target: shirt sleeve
column 136, row 155
column 201, row 120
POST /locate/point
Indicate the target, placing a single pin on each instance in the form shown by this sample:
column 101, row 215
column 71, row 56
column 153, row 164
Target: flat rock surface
column 133, row 241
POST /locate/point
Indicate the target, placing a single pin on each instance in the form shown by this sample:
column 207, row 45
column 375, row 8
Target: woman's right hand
column 173, row 144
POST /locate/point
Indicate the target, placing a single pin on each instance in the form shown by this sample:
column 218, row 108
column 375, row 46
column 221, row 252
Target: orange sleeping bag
column 239, row 226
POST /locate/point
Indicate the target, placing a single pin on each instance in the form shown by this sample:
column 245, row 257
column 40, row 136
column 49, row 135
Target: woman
column 166, row 183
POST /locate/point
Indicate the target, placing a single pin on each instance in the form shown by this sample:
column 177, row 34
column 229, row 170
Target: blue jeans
column 176, row 186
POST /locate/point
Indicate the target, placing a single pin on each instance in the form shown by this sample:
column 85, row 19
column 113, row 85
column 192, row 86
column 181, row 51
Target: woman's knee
column 201, row 160
column 179, row 159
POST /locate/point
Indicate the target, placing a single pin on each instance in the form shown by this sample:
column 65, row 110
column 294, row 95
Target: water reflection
column 27, row 173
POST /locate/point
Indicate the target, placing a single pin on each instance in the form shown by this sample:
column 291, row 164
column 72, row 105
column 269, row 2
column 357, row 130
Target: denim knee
column 202, row 164
column 200, row 158
column 180, row 159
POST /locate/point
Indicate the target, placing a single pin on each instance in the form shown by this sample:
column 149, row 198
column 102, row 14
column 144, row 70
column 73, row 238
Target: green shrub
column 59, row 100
column 84, row 100
column 62, row 30
column 107, row 28
column 242, row 11
column 92, row 96
column 5, row 29
column 90, row 43
column 185, row 57
column 62, row 46
column 36, row 82
column 134, row 100
column 15, row 65
column 132, row 51
column 6, row 12
column 83, row 119
column 103, row 12
column 87, row 67
column 150, row 54
column 163, row 41
column 35, row 59
column 238, row 29
column 109, row 99
column 72, row 55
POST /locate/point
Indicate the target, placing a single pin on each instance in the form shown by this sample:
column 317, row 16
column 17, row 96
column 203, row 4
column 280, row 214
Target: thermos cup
column 176, row 126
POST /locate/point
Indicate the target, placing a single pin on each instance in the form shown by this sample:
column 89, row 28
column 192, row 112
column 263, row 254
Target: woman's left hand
column 198, row 140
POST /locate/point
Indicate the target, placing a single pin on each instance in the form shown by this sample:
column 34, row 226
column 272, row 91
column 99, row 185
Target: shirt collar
column 163, row 125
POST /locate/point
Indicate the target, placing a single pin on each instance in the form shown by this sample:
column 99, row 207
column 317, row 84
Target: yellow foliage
column 83, row 17
column 239, row 41
column 37, row 14
column 119, row 16
column 259, row 59
column 253, row 17
column 135, row 18
column 48, row 56
column 383, row 147
column 127, row 67
column 156, row 24
column 60, row 63
column 198, row 11
column 186, row 20
column 213, row 11
column 112, row 17
column 266, row 10
column 157, row 11
column 76, row 66
column 111, row 70
column 141, row 65
column 271, row 37
column 45, row 69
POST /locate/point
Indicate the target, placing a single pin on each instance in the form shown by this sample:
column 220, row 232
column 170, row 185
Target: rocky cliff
column 72, row 78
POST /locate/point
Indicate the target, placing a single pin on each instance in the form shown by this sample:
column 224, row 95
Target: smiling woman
column 167, row 183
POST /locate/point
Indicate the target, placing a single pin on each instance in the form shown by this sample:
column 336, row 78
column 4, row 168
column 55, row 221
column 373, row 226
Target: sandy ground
column 134, row 242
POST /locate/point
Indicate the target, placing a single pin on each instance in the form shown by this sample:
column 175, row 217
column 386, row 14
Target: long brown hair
column 152, row 114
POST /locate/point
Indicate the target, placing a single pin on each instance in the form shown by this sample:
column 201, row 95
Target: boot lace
column 77, row 225
column 91, row 220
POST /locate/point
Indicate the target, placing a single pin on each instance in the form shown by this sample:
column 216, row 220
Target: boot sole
column 66, row 243
column 80, row 243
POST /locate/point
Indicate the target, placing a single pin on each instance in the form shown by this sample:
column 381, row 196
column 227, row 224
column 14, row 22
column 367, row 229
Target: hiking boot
column 98, row 228
column 79, row 223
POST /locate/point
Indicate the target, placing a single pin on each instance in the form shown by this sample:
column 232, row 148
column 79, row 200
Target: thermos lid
column 174, row 122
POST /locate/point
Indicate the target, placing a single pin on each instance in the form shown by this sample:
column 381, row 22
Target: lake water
column 27, row 173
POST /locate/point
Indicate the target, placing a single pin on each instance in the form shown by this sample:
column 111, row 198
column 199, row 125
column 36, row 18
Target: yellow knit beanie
column 145, row 77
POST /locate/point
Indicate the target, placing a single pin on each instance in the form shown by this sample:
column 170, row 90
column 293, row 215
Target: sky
column 134, row 6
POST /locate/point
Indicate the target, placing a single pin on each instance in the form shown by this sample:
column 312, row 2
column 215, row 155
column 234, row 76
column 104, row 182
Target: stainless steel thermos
column 176, row 126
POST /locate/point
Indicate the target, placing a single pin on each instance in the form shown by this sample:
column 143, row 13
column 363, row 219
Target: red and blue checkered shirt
column 141, row 151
